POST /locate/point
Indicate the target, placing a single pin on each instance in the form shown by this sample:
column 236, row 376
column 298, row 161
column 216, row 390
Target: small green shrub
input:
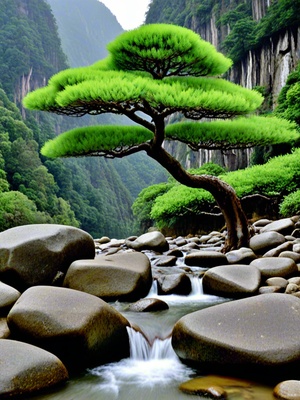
column 290, row 204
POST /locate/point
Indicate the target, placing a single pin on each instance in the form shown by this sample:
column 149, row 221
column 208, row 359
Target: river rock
column 285, row 225
column 287, row 390
column 263, row 242
column 275, row 266
column 237, row 280
column 174, row 284
column 26, row 369
column 4, row 330
column 8, row 297
column 291, row 254
column 277, row 281
column 126, row 276
column 276, row 251
column 149, row 241
column 205, row 259
column 243, row 337
column 33, row 254
column 80, row 329
column 148, row 305
column 244, row 255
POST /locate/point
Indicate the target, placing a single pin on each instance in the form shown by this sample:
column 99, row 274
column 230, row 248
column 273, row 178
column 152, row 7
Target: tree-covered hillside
column 90, row 194
column 85, row 27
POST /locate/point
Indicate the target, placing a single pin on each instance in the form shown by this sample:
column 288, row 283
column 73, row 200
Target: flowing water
column 153, row 371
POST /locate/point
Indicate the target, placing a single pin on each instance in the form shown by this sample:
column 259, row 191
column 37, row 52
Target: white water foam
column 148, row 366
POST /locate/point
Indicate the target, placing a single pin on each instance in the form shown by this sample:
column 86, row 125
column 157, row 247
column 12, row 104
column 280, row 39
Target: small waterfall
column 141, row 349
column 197, row 288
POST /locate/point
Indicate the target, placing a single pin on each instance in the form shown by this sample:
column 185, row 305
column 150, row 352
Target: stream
column 153, row 371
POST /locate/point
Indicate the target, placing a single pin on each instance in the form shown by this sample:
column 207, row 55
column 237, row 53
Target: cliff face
column 267, row 66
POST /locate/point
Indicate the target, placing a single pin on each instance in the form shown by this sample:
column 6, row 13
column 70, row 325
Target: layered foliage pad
column 166, row 50
column 96, row 140
column 233, row 134
column 278, row 177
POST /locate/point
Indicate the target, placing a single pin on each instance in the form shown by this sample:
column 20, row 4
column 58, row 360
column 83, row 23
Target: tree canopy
column 150, row 74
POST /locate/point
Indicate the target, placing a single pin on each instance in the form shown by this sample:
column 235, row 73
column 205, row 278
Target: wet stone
column 288, row 390
column 148, row 305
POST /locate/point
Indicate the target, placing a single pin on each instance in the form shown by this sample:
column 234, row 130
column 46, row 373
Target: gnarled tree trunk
column 224, row 194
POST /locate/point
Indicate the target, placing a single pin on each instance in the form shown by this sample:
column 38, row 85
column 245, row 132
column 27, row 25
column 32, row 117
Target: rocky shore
column 56, row 282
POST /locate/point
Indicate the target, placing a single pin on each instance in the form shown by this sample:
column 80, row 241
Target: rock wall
column 267, row 67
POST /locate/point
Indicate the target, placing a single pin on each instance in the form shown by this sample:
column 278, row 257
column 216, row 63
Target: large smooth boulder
column 284, row 226
column 81, row 329
column 124, row 276
column 236, row 280
column 34, row 254
column 275, row 267
column 26, row 369
column 256, row 335
column 149, row 241
column 174, row 284
column 263, row 242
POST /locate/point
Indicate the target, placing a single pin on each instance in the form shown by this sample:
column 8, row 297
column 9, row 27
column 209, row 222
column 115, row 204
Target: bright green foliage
column 237, row 133
column 289, row 98
column 290, row 204
column 278, row 177
column 145, row 200
column 165, row 50
column 97, row 140
column 16, row 209
column 143, row 204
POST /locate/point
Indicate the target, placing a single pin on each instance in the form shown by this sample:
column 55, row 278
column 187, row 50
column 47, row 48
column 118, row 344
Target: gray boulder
column 148, row 305
column 237, row 280
column 205, row 259
column 33, row 254
column 8, row 297
column 275, row 266
column 125, row 276
column 285, row 225
column 287, row 390
column 26, row 369
column 149, row 241
column 244, row 255
column 77, row 327
column 263, row 242
column 256, row 335
column 174, row 284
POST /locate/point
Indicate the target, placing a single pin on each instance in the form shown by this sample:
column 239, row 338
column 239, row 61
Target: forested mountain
column 85, row 27
column 261, row 36
column 86, row 193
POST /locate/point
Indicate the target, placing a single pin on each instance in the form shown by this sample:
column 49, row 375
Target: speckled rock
column 287, row 390
column 26, row 369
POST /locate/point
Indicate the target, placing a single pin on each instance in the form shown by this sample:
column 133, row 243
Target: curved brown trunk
column 224, row 194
